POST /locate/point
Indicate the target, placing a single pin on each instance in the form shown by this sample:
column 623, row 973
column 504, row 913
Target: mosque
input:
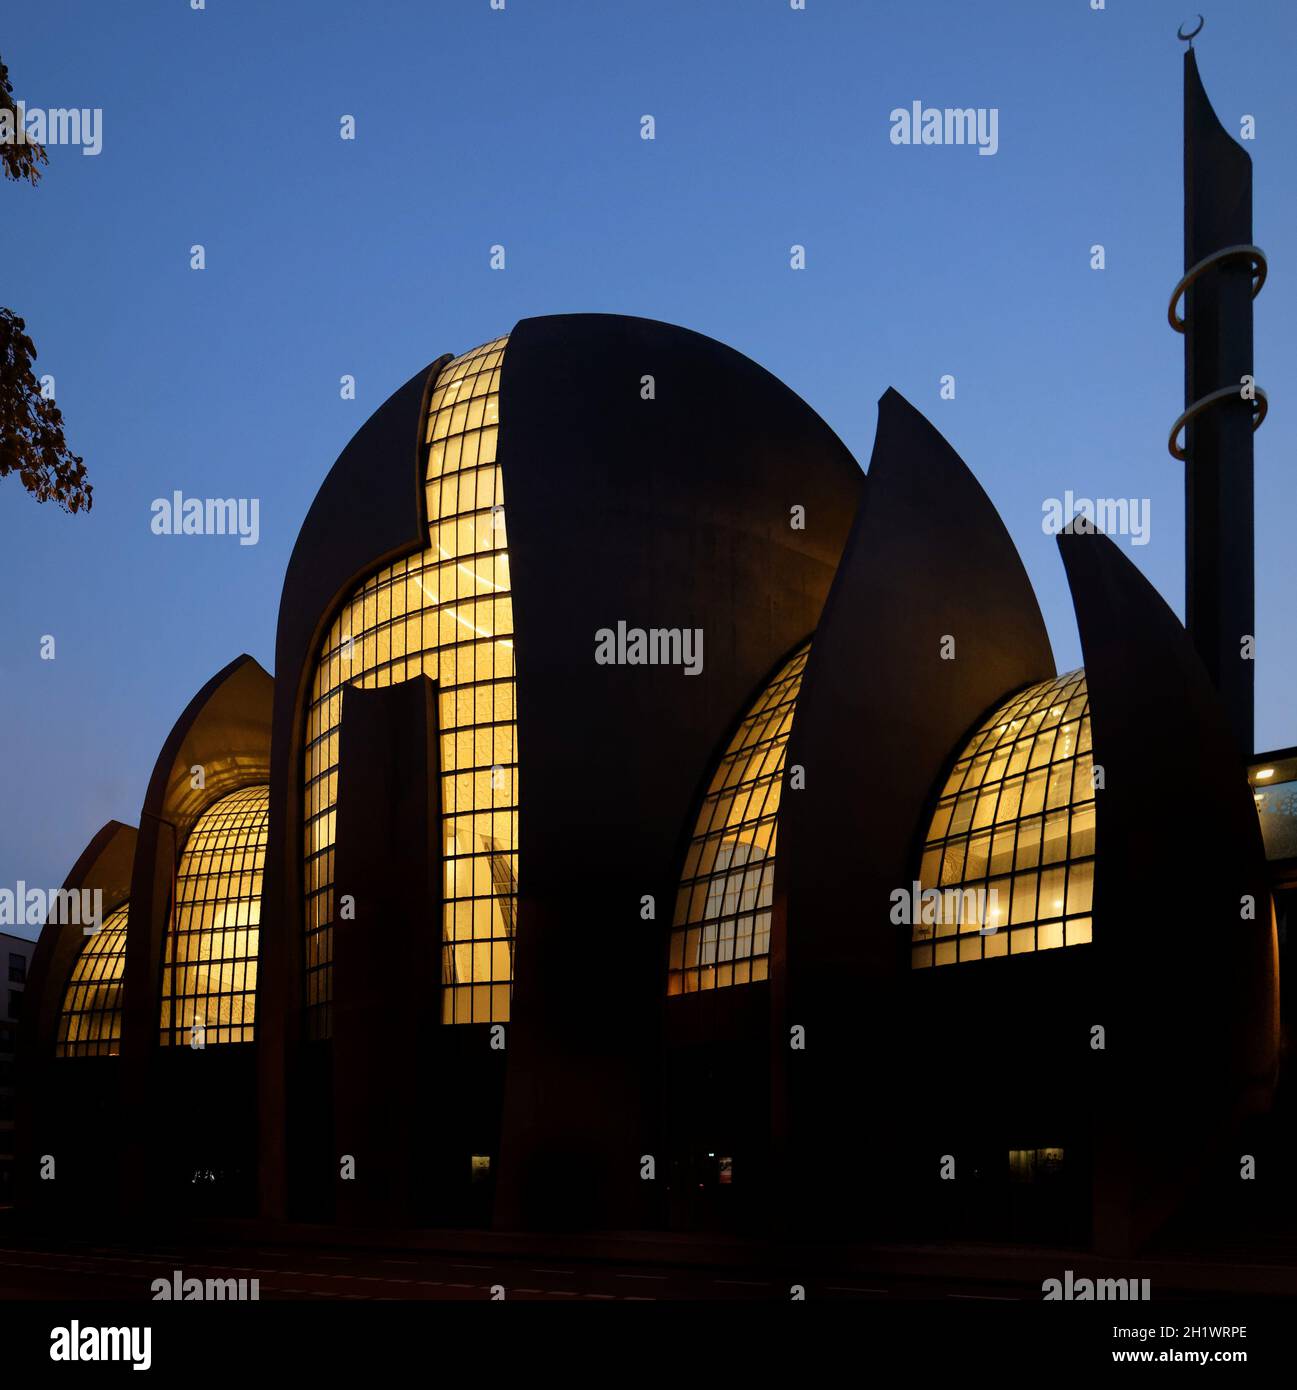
column 467, row 918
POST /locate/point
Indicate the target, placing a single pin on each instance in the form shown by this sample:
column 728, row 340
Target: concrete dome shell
column 48, row 1108
column 225, row 730
column 104, row 865
column 674, row 510
column 677, row 513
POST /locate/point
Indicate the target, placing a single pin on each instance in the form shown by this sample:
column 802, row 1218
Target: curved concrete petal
column 1184, row 980
column 54, row 1103
column 225, row 730
column 104, row 865
column 368, row 512
column 930, row 622
column 675, row 512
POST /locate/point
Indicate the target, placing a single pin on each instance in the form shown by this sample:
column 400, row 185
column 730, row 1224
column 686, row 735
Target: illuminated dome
column 446, row 613
column 1015, row 822
column 90, row 1021
column 209, row 970
column 721, row 930
column 344, row 878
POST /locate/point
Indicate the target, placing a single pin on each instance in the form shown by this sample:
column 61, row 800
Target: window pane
column 727, row 877
column 1027, row 771
column 449, row 615
column 91, row 1017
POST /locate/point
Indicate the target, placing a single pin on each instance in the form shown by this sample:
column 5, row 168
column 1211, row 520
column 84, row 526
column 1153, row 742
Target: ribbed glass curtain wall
column 1011, row 844
column 446, row 613
column 721, row 929
column 90, row 1022
column 209, row 967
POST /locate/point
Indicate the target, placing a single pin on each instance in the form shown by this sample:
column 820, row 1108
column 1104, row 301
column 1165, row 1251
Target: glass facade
column 446, row 613
column 1011, row 844
column 720, row 933
column 209, row 966
column 90, row 1023
column 1276, row 807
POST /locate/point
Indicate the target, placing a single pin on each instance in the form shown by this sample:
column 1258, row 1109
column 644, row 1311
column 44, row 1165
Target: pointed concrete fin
column 1186, row 978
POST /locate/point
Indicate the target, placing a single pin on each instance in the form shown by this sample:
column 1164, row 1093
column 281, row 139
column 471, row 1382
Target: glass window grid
column 446, row 613
column 90, row 1022
column 1043, row 733
column 209, row 966
column 721, row 929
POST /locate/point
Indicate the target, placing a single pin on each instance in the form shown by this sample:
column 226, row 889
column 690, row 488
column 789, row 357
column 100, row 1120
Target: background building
column 16, row 953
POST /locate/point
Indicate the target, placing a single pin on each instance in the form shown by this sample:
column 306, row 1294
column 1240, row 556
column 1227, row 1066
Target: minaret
column 1223, row 272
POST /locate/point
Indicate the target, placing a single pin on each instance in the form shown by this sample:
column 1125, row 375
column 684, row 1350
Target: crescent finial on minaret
column 1192, row 34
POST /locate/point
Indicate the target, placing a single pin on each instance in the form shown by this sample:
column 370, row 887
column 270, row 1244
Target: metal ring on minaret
column 1260, row 405
column 1226, row 253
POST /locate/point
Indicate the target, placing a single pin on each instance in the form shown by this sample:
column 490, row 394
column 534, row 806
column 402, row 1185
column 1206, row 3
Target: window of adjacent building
column 721, row 929
column 209, row 966
column 90, row 1023
column 1034, row 1165
column 446, row 613
column 17, row 968
column 1276, row 807
column 1013, row 832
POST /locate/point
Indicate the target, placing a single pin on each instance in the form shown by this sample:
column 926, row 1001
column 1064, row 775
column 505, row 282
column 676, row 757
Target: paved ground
column 935, row 1305
column 310, row 1264
column 75, row 1271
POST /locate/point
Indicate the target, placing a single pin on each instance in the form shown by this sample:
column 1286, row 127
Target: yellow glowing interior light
column 445, row 554
column 721, row 928
column 90, row 1022
column 1264, row 773
column 209, row 970
column 1015, row 821
column 443, row 613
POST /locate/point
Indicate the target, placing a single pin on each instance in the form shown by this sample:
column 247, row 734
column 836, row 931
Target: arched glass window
column 721, row 930
column 209, row 968
column 90, row 1022
column 1011, row 843
column 446, row 613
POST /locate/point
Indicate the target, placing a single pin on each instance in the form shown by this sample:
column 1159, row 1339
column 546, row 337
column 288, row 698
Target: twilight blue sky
column 522, row 127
